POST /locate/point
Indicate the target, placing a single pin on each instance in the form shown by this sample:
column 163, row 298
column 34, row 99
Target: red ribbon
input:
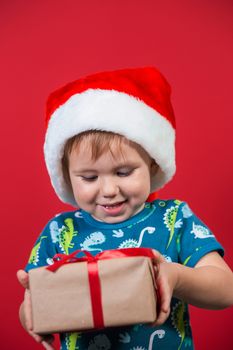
column 93, row 275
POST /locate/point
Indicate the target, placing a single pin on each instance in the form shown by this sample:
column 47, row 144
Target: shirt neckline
column 145, row 212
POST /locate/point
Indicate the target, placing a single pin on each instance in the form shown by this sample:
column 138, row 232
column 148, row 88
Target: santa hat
column 132, row 102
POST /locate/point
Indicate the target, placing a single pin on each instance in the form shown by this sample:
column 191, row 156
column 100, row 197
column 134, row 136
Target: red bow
column 94, row 281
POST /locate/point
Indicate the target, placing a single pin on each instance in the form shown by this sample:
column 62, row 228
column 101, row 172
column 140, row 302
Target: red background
column 45, row 44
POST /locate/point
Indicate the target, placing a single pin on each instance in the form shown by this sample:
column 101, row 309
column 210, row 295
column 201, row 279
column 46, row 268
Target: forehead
column 117, row 152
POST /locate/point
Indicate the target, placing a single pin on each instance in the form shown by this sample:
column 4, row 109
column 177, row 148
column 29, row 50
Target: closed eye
column 89, row 178
column 124, row 173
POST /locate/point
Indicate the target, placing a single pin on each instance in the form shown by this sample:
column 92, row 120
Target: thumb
column 159, row 258
column 23, row 278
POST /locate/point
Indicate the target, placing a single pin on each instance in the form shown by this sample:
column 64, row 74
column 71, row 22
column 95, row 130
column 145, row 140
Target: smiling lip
column 114, row 208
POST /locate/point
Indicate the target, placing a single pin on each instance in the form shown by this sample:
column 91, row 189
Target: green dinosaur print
column 67, row 233
column 178, row 243
column 170, row 220
column 189, row 257
column 34, row 256
column 71, row 340
column 187, row 260
column 180, row 324
column 178, row 320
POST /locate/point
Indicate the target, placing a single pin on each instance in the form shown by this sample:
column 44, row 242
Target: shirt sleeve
column 194, row 238
column 44, row 248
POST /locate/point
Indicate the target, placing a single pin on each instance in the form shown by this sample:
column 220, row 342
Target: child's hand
column 26, row 313
column 166, row 282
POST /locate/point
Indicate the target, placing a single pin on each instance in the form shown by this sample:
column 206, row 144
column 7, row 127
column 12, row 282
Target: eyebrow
column 82, row 171
column 120, row 166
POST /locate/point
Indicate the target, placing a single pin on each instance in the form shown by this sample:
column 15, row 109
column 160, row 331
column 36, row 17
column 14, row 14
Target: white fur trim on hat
column 109, row 110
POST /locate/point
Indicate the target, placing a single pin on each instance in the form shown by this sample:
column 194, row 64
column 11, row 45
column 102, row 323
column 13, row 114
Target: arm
column 208, row 285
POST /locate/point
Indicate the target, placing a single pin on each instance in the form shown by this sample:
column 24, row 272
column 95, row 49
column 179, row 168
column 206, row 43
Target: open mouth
column 114, row 205
column 115, row 208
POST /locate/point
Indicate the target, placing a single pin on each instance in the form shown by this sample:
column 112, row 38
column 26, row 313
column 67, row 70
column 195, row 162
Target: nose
column 109, row 187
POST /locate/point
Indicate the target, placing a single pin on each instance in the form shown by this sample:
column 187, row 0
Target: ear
column 153, row 167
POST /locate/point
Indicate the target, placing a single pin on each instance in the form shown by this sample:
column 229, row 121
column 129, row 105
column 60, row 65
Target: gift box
column 114, row 288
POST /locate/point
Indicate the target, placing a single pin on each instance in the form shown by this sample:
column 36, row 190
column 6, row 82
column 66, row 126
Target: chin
column 113, row 220
column 117, row 219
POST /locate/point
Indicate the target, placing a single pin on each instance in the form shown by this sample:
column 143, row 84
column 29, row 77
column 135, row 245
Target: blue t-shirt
column 168, row 226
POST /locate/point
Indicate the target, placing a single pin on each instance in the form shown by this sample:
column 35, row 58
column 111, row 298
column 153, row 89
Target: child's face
column 111, row 188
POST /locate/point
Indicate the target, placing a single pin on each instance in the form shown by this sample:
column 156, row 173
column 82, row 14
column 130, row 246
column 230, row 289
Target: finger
column 162, row 318
column 164, row 302
column 28, row 309
column 37, row 337
column 46, row 339
column 49, row 338
column 23, row 278
column 47, row 346
column 164, row 295
column 159, row 258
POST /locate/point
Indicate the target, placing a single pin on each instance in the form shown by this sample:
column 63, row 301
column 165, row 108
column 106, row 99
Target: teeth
column 111, row 206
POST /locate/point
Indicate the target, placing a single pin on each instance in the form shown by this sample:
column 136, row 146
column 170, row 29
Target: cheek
column 138, row 187
column 83, row 191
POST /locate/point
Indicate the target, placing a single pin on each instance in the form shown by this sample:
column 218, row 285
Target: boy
column 109, row 144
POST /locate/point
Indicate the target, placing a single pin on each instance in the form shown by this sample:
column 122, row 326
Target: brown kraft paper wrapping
column 61, row 300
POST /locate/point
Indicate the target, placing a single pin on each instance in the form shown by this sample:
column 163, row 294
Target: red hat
column 132, row 102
